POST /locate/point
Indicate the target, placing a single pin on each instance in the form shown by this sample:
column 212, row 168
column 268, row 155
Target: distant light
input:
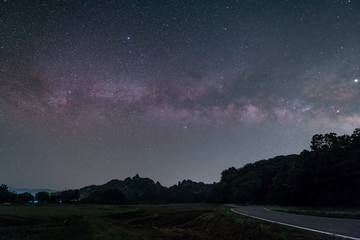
column 356, row 80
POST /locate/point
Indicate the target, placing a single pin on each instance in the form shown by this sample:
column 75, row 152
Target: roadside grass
column 142, row 222
column 353, row 213
column 258, row 229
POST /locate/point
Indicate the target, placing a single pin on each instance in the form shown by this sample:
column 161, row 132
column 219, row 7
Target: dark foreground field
column 188, row 221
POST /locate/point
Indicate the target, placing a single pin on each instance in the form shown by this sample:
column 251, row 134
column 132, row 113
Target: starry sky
column 97, row 90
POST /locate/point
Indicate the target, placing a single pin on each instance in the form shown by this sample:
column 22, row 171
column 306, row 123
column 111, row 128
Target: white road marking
column 294, row 226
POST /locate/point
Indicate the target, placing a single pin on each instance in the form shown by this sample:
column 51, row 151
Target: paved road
column 348, row 228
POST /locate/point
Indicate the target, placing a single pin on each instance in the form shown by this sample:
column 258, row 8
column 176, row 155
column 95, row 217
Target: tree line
column 326, row 175
column 138, row 190
column 9, row 197
column 67, row 196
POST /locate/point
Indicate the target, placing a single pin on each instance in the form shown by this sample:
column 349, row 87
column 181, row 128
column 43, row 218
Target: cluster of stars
column 177, row 74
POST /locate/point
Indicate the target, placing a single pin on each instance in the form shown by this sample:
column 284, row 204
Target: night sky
column 97, row 90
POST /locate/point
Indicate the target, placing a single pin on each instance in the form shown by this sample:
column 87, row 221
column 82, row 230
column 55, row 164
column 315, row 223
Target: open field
column 185, row 221
column 322, row 212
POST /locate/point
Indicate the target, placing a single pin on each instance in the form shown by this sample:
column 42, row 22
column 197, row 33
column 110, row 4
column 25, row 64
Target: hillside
column 145, row 190
column 327, row 175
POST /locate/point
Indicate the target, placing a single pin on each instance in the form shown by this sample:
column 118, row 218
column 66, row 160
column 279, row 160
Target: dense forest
column 144, row 190
column 327, row 175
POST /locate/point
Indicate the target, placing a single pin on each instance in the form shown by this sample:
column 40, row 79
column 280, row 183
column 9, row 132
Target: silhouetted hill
column 328, row 175
column 135, row 190
column 250, row 183
column 188, row 191
column 145, row 190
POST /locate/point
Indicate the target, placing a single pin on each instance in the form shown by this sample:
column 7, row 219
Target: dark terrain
column 170, row 222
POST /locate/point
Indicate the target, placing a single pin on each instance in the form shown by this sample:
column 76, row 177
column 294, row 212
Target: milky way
column 96, row 90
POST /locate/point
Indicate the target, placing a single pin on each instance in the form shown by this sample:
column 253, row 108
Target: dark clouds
column 145, row 86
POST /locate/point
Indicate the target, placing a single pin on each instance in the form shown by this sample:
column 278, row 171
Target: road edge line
column 294, row 226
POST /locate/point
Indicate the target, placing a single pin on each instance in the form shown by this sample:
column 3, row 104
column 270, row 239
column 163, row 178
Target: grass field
column 182, row 221
column 323, row 212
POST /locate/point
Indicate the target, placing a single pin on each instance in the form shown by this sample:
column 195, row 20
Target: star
column 197, row 82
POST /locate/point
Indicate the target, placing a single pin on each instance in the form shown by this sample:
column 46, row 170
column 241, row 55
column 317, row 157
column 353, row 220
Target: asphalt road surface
column 347, row 228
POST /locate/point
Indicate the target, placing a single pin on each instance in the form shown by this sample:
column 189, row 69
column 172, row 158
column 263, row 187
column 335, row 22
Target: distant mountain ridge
column 327, row 175
column 33, row 191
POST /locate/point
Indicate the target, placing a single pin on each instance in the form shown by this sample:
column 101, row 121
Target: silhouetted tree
column 70, row 196
column 55, row 197
column 4, row 193
column 42, row 197
column 325, row 176
column 188, row 191
column 25, row 197
column 251, row 183
column 228, row 174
